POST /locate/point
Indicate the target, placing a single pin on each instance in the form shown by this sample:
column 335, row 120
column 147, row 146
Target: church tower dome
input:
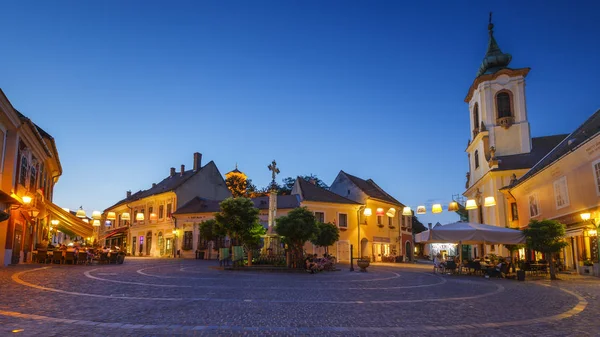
column 235, row 172
column 494, row 58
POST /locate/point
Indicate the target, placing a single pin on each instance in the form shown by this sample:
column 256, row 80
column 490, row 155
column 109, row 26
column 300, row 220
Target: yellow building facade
column 563, row 186
column 143, row 222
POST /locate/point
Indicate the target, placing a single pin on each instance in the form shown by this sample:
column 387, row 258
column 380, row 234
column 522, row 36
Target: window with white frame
column 390, row 221
column 534, row 207
column 343, row 220
column 561, row 193
column 320, row 216
column 596, row 167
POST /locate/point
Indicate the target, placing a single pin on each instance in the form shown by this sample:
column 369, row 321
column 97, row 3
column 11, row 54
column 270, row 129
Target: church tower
column 498, row 111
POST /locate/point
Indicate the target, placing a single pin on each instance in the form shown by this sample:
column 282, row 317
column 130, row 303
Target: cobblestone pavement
column 158, row 297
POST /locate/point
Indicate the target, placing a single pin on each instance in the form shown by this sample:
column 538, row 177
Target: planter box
column 586, row 270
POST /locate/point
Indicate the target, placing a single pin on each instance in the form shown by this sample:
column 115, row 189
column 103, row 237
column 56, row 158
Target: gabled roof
column 540, row 147
column 166, row 185
column 283, row 202
column 581, row 135
column 199, row 205
column 370, row 188
column 312, row 192
column 37, row 131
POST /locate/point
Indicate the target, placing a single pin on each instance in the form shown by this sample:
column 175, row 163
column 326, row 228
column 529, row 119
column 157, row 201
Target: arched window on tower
column 503, row 104
column 476, row 157
column 475, row 119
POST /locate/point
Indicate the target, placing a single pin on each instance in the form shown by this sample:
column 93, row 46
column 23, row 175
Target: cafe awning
column 116, row 233
column 69, row 220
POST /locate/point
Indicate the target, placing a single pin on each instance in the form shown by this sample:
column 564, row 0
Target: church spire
column 494, row 58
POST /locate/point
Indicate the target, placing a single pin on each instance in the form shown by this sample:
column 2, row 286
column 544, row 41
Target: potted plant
column 587, row 267
column 363, row 264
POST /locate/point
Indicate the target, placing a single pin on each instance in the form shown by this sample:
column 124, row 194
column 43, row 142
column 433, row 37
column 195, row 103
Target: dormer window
column 476, row 157
column 504, row 109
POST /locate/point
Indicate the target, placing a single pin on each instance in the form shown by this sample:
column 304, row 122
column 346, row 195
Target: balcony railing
column 505, row 122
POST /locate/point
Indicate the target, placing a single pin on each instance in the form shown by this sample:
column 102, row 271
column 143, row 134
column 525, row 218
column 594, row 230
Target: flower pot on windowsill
column 342, row 228
column 392, row 227
column 379, row 225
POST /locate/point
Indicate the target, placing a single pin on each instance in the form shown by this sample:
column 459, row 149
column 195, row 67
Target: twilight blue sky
column 131, row 88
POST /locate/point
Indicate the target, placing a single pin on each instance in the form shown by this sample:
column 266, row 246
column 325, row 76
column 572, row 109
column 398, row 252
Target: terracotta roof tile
column 372, row 189
column 312, row 192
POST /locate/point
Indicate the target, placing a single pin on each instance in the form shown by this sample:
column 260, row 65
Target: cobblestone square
column 161, row 297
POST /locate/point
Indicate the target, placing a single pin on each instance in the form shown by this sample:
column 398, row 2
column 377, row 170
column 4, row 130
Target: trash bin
column 201, row 255
column 521, row 275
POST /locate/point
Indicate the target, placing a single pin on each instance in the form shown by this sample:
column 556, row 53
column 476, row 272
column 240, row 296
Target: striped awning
column 69, row 220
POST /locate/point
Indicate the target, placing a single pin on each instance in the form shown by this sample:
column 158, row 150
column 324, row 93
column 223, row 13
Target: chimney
column 153, row 185
column 128, row 194
column 182, row 169
column 429, row 225
column 197, row 161
column 172, row 172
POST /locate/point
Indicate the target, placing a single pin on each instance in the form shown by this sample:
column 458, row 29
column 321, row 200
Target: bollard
column 351, row 258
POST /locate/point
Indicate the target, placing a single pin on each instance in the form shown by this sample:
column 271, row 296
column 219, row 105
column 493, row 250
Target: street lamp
column 80, row 213
column 26, row 199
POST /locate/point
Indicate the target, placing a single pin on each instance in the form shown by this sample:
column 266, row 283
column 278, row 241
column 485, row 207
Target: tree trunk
column 249, row 257
column 552, row 271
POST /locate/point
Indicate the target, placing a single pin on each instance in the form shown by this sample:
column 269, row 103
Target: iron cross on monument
column 274, row 170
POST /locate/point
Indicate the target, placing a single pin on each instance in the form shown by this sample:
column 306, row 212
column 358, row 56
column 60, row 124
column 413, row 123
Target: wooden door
column 16, row 252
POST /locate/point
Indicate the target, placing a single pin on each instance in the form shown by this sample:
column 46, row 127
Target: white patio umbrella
column 470, row 233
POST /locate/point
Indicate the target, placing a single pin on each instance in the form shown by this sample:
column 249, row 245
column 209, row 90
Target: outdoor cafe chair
column 451, row 266
column 57, row 255
column 113, row 258
column 70, row 257
column 42, row 257
column 81, row 258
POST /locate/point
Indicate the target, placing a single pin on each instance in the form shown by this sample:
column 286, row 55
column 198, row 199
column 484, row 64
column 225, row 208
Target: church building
column 500, row 149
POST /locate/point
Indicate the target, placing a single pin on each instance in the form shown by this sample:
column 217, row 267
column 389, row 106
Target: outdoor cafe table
column 538, row 267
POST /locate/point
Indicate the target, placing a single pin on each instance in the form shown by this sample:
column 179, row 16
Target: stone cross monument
column 272, row 196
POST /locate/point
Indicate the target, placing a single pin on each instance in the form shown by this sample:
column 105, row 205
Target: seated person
column 438, row 264
column 309, row 264
column 496, row 271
